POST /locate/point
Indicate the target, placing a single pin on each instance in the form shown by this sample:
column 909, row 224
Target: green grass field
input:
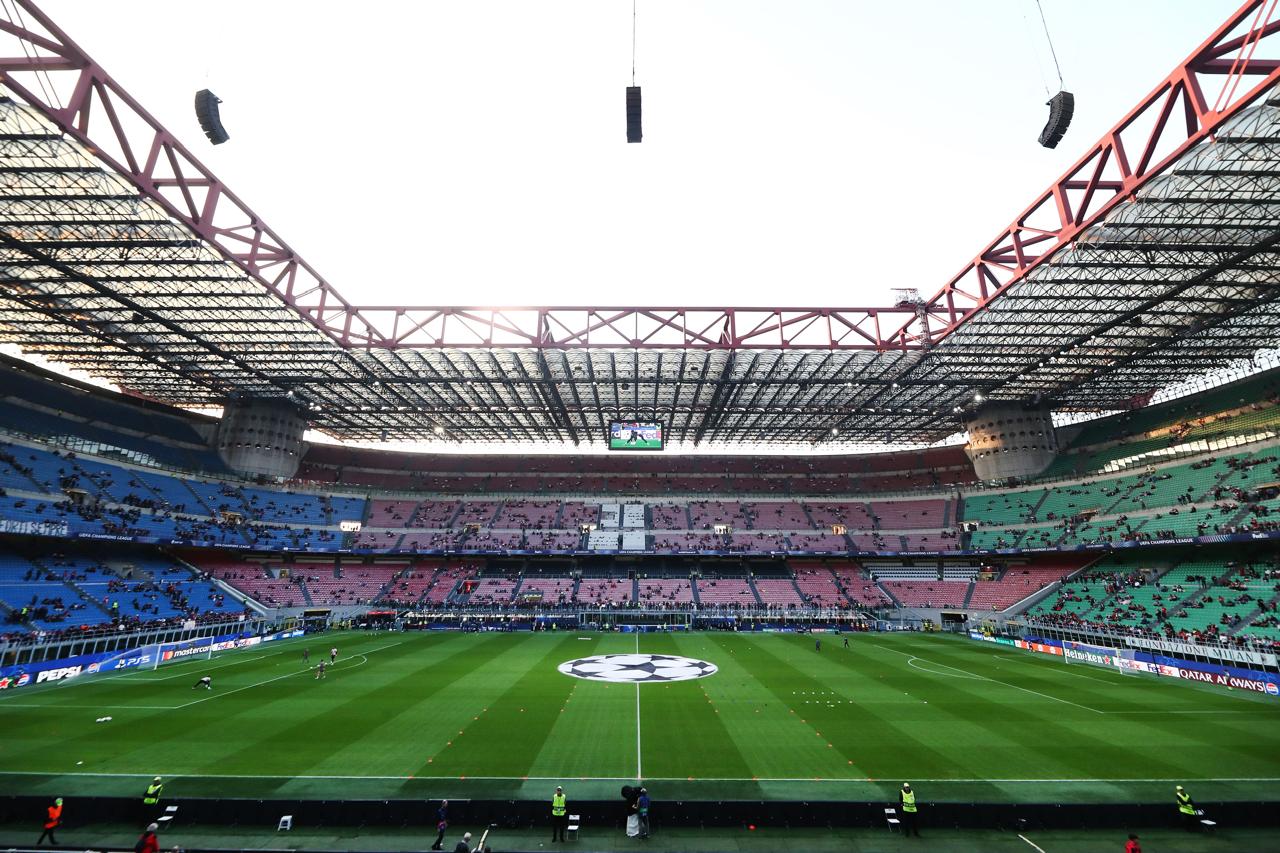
column 489, row 715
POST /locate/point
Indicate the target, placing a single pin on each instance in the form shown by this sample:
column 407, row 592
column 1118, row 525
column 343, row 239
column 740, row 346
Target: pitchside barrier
column 1134, row 661
column 146, row 657
column 604, row 820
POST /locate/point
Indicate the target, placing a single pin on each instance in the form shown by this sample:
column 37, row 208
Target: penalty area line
column 288, row 675
column 978, row 677
column 1037, row 847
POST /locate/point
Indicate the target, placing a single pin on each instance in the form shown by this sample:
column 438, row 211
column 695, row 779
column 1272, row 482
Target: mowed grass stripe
column 141, row 718
column 378, row 718
column 355, row 717
column 1203, row 726
column 760, row 694
column 1187, row 740
column 1056, row 742
column 884, row 727
column 506, row 740
column 595, row 731
column 254, row 717
column 1009, row 733
column 681, row 734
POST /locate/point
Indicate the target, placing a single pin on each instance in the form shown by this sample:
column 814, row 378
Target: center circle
column 633, row 668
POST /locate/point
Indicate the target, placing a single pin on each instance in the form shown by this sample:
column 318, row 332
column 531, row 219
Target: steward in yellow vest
column 907, row 799
column 559, row 815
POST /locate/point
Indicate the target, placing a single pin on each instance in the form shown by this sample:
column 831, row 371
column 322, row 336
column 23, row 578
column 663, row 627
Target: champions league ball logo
column 638, row 668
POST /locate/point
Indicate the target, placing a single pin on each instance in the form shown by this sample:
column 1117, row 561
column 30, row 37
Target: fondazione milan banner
column 1238, row 655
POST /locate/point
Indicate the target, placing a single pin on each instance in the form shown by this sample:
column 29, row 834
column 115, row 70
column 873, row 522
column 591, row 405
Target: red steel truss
column 1176, row 116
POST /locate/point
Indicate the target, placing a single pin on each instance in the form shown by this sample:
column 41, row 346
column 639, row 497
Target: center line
column 639, row 775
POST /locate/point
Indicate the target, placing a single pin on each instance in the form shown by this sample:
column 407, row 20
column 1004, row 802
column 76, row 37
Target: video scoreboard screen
column 635, row 435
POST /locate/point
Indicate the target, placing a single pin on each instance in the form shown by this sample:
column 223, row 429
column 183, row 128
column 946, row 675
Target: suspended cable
column 1049, row 39
column 634, row 133
column 42, row 76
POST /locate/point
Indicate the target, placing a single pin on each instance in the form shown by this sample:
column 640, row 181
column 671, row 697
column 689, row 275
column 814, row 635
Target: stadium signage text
column 59, row 673
column 1240, row 679
column 1237, row 655
column 34, row 528
column 64, row 668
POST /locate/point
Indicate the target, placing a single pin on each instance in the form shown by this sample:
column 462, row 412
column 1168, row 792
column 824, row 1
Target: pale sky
column 796, row 153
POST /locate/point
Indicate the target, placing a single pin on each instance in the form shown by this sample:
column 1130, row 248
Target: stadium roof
column 1152, row 260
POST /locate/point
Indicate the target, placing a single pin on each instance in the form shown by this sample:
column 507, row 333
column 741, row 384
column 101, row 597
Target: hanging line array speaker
column 633, row 114
column 207, row 114
column 1062, row 107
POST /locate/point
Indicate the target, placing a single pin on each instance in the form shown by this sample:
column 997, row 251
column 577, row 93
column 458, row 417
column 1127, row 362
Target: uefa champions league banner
column 144, row 656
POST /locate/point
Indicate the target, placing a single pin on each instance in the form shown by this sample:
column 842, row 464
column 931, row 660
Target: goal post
column 183, row 650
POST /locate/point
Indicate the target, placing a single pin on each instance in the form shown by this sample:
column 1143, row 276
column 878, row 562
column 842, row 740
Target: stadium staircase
column 887, row 594
column 36, row 484
column 7, row 613
column 85, row 596
column 199, row 501
column 147, row 488
column 751, row 584
column 804, row 508
column 1247, row 621
column 697, row 599
column 230, row 591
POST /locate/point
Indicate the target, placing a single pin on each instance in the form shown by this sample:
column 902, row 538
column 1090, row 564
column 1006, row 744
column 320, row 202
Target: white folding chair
column 170, row 812
column 574, row 822
column 286, row 823
column 891, row 817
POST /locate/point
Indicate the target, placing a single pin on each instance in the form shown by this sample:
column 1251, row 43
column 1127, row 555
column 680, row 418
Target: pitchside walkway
column 602, row 840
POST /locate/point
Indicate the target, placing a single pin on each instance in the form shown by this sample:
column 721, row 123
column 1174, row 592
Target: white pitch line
column 277, row 678
column 992, row 680
column 142, row 676
column 842, row 781
column 1038, row 848
column 56, row 707
column 639, row 766
column 126, row 676
column 911, row 662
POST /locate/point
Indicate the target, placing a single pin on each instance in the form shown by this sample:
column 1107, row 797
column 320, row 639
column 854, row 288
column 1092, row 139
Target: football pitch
column 414, row 715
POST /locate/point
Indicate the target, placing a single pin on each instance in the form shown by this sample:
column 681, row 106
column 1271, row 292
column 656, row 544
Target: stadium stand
column 778, row 592
column 933, row 593
column 605, row 591
column 664, row 592
column 725, row 592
